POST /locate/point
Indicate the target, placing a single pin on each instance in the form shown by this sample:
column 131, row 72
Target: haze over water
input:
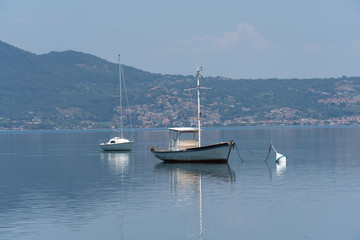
column 60, row 185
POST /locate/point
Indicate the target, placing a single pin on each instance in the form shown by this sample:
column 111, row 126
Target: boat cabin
column 117, row 140
column 183, row 137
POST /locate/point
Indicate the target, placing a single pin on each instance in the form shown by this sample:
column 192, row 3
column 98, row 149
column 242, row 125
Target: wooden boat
column 190, row 150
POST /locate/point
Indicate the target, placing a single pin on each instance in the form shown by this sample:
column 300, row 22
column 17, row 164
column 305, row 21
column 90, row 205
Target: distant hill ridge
column 72, row 90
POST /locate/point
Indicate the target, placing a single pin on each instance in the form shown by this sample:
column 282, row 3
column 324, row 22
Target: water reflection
column 61, row 186
column 118, row 161
column 217, row 171
column 280, row 167
column 186, row 185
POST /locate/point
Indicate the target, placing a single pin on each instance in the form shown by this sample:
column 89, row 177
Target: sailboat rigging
column 119, row 143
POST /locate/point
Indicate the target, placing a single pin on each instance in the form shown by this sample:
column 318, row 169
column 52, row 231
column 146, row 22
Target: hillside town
column 169, row 110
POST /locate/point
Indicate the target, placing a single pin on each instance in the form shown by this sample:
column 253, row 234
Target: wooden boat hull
column 116, row 146
column 216, row 153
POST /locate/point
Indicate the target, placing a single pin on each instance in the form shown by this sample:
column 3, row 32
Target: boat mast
column 198, row 76
column 201, row 208
column 121, row 116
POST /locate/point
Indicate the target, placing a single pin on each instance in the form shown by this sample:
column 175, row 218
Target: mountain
column 58, row 89
column 72, row 90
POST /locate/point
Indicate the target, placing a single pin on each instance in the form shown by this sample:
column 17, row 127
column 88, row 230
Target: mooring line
column 268, row 152
column 242, row 160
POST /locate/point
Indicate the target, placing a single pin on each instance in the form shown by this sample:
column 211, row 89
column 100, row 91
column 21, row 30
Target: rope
column 193, row 80
column 237, row 150
column 128, row 106
column 273, row 147
column 268, row 152
column 267, row 164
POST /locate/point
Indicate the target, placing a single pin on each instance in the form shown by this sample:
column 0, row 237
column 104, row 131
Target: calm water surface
column 60, row 185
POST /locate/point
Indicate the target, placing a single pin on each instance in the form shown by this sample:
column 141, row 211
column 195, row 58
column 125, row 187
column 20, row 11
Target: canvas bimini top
column 184, row 129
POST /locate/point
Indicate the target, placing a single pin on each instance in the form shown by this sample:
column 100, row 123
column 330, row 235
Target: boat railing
column 172, row 145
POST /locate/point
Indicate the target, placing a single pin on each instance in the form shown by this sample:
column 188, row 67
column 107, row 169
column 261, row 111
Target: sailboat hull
column 116, row 146
column 216, row 153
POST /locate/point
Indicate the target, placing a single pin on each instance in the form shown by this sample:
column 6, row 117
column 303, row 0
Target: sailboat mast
column 198, row 103
column 201, row 206
column 121, row 116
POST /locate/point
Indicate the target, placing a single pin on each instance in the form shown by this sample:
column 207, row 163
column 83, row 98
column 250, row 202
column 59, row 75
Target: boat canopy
column 184, row 129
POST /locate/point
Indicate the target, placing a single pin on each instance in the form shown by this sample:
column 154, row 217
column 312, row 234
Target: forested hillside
column 73, row 90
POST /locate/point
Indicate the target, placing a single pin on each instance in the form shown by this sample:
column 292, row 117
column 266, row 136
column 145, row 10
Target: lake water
column 60, row 185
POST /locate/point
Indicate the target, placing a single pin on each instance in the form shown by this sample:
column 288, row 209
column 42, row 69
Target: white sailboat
column 190, row 150
column 119, row 143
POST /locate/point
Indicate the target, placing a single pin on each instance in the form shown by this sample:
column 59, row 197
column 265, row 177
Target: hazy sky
column 232, row 38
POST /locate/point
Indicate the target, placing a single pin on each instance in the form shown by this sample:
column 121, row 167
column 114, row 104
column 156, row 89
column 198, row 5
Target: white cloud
column 244, row 35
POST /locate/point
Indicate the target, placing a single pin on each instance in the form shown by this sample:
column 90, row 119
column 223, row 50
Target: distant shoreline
column 165, row 129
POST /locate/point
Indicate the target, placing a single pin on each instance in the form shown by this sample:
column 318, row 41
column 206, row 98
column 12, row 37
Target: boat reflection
column 186, row 184
column 118, row 161
column 280, row 167
column 184, row 170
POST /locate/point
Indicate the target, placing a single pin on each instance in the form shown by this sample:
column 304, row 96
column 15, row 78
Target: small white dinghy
column 279, row 158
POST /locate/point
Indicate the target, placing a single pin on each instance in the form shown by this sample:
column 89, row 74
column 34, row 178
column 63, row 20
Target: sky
column 241, row 39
